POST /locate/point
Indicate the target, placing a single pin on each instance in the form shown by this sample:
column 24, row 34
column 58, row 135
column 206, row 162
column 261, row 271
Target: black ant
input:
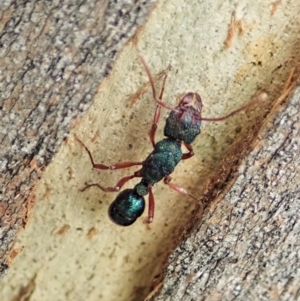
column 182, row 127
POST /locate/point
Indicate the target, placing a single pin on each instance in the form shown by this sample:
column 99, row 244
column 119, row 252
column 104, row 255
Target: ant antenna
column 260, row 98
column 158, row 101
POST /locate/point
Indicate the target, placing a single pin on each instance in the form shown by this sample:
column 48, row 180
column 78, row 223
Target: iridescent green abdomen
column 127, row 207
column 162, row 161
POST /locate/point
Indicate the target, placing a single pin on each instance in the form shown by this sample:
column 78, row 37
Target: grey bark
column 64, row 63
column 53, row 56
column 246, row 247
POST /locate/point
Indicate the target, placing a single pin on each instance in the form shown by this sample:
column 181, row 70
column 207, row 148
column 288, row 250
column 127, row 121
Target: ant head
column 191, row 100
column 184, row 121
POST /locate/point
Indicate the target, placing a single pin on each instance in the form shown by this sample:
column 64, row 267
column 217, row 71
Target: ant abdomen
column 126, row 208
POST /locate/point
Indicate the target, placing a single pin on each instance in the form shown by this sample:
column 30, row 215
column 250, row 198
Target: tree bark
column 247, row 244
column 229, row 52
column 53, row 56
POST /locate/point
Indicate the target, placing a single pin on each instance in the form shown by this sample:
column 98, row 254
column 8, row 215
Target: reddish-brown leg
column 157, row 114
column 167, row 181
column 190, row 153
column 119, row 185
column 111, row 167
column 151, row 206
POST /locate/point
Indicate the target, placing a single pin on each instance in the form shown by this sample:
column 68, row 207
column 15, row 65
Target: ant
column 182, row 127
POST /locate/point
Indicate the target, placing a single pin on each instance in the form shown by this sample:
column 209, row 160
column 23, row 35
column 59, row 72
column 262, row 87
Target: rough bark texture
column 247, row 246
column 227, row 51
column 53, row 54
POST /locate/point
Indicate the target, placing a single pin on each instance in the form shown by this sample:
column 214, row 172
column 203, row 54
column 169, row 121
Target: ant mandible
column 182, row 127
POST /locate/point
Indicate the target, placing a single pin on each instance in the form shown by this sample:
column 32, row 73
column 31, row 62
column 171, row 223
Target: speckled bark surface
column 228, row 52
column 53, row 55
column 247, row 245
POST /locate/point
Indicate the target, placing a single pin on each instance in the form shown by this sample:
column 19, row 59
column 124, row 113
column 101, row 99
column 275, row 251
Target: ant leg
column 190, row 153
column 119, row 185
column 151, row 206
column 167, row 181
column 111, row 167
column 157, row 114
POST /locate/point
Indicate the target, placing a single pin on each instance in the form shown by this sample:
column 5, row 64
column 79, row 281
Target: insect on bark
column 181, row 128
